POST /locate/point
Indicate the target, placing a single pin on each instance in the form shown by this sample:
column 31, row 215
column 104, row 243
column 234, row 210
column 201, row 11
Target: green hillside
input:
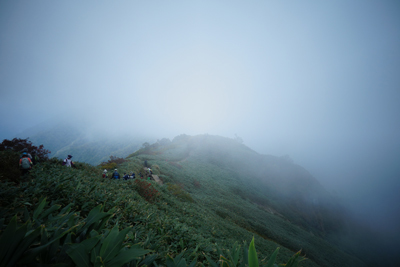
column 216, row 195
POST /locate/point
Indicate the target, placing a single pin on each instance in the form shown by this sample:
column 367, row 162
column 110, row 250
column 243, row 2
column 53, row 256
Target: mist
column 318, row 81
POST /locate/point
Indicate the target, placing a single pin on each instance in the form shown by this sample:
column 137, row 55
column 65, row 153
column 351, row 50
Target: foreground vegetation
column 203, row 214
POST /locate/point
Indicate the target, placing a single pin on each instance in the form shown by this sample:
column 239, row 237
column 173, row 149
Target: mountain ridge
column 233, row 190
column 213, row 162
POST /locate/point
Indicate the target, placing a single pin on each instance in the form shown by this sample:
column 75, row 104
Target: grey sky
column 318, row 80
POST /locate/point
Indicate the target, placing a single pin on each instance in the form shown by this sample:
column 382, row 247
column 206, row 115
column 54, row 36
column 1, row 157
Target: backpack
column 25, row 164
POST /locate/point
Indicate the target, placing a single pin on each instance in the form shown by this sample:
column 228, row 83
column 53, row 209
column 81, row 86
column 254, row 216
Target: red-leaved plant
column 146, row 190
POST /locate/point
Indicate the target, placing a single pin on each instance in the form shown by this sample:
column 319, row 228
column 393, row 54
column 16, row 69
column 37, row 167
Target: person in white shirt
column 68, row 162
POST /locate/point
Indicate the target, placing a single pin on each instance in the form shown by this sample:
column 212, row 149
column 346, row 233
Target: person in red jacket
column 25, row 163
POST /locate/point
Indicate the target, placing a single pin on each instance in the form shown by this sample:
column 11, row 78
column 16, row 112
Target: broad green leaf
column 224, row 261
column 234, row 254
column 99, row 262
column 90, row 243
column 94, row 216
column 95, row 252
column 127, row 256
column 14, row 243
column 39, row 209
column 24, row 244
column 5, row 238
column 245, row 255
column 253, row 259
column 210, row 261
column 107, row 245
column 79, row 253
column 149, row 260
column 181, row 263
column 271, row 260
column 295, row 260
column 193, row 263
column 112, row 243
column 177, row 258
column 66, row 209
column 50, row 210
column 32, row 253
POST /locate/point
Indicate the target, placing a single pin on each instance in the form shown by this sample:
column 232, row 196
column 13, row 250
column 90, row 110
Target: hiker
column 25, row 152
column 145, row 163
column 25, row 163
column 141, row 175
column 105, row 175
column 132, row 176
column 68, row 162
column 126, row 176
column 150, row 171
column 35, row 158
column 115, row 175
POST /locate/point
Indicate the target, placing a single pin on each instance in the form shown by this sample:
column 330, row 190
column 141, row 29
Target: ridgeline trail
column 155, row 177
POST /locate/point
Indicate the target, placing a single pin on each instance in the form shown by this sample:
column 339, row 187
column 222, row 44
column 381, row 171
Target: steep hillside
column 270, row 182
column 215, row 192
column 267, row 195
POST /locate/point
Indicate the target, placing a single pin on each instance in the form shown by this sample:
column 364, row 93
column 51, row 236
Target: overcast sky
column 318, row 80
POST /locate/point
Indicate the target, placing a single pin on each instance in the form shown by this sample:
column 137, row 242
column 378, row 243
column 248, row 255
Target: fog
column 315, row 80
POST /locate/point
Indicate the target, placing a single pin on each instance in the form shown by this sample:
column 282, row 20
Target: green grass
column 205, row 206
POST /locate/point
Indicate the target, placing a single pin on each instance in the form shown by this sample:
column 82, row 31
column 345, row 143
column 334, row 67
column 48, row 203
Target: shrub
column 9, row 169
column 111, row 165
column 146, row 190
column 112, row 162
column 18, row 144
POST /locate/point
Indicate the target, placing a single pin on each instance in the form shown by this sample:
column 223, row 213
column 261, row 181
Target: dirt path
column 155, row 177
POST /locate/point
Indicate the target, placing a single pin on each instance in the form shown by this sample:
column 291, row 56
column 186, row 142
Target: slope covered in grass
column 215, row 192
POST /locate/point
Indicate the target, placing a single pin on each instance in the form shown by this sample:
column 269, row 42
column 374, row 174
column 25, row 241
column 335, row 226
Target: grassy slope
column 184, row 162
column 217, row 216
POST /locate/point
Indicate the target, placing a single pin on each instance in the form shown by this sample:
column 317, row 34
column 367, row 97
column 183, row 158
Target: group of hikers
column 27, row 161
column 115, row 175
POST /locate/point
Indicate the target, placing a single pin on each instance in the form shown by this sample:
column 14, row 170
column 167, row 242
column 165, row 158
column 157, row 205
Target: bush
column 9, row 169
column 114, row 159
column 10, row 155
column 146, row 190
column 111, row 165
column 18, row 144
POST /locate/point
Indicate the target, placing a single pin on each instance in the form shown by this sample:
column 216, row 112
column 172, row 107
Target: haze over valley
column 316, row 83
